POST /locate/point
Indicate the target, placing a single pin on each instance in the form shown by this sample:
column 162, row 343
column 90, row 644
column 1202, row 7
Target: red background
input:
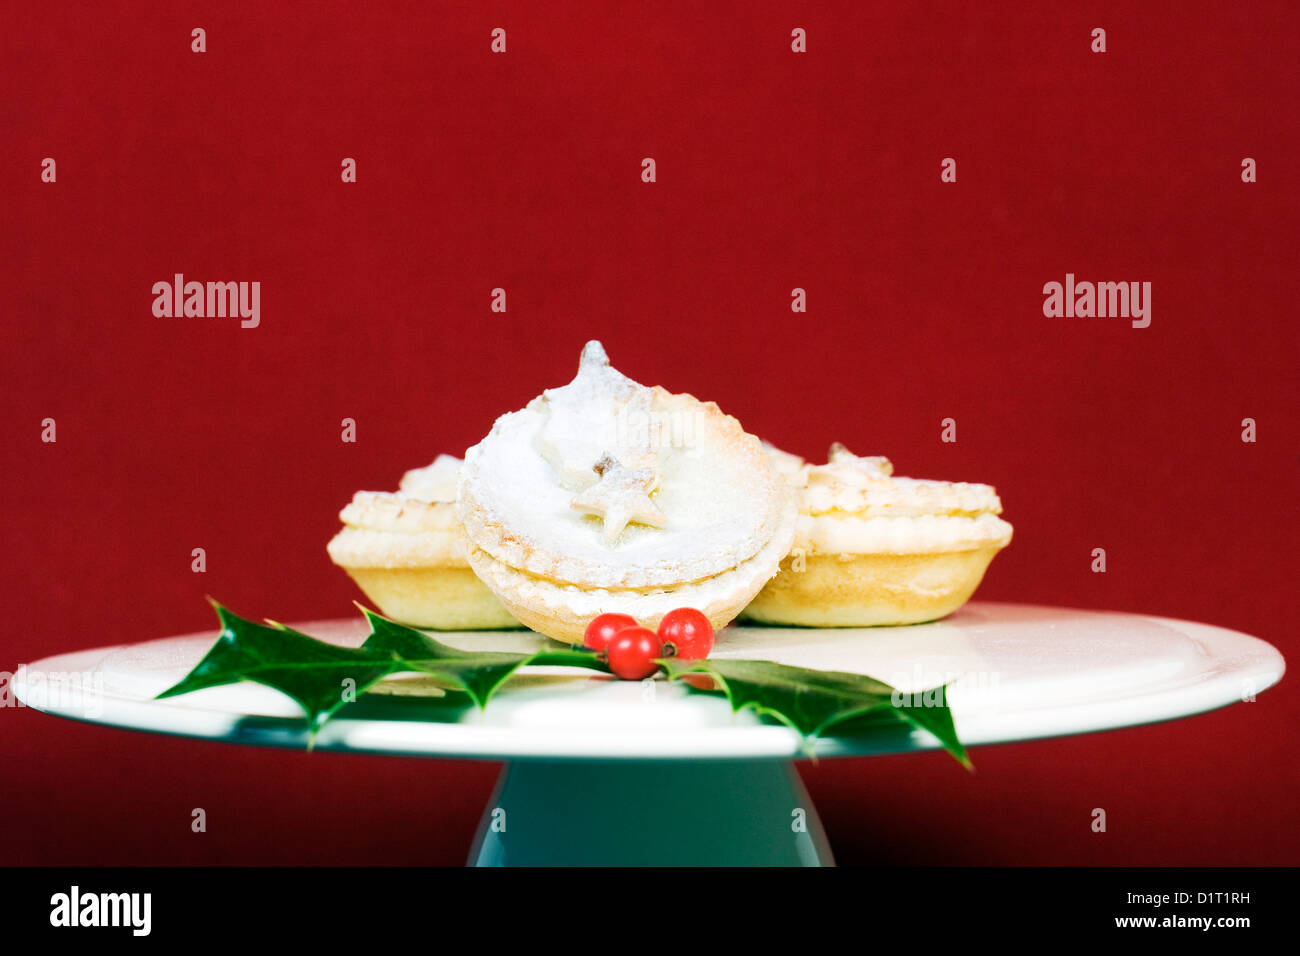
column 775, row 170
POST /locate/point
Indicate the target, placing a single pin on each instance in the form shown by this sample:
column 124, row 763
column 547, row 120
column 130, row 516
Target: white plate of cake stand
column 600, row 771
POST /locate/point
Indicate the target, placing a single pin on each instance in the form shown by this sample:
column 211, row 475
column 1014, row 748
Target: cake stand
column 601, row 771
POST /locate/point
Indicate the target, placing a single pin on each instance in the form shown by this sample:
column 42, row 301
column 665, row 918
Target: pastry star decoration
column 620, row 497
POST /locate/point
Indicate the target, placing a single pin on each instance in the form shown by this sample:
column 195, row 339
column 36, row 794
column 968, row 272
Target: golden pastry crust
column 445, row 598
column 874, row 549
column 563, row 611
column 399, row 513
column 644, row 557
column 865, row 486
column 864, row 590
column 710, row 514
column 408, row 556
column 904, row 497
column 863, row 533
column 386, row 530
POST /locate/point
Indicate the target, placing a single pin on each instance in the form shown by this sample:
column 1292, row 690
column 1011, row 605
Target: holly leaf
column 477, row 673
column 938, row 721
column 314, row 673
column 322, row 677
column 813, row 702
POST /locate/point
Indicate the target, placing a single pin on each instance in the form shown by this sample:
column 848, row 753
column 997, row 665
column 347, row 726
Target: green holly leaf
column 477, row 673
column 813, row 702
column 322, row 677
column 314, row 673
column 938, row 721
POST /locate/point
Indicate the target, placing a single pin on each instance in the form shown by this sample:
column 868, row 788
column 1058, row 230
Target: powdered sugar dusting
column 433, row 482
column 852, row 484
column 620, row 497
column 589, row 417
column 720, row 497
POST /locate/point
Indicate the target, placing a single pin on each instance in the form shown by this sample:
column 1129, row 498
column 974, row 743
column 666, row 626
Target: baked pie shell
column 563, row 611
column 491, row 532
column 408, row 557
column 864, row 590
column 438, row 598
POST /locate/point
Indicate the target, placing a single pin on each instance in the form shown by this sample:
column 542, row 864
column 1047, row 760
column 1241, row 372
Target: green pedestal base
column 654, row 813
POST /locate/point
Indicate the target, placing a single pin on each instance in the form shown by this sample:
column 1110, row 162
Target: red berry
column 603, row 627
column 686, row 633
column 632, row 653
